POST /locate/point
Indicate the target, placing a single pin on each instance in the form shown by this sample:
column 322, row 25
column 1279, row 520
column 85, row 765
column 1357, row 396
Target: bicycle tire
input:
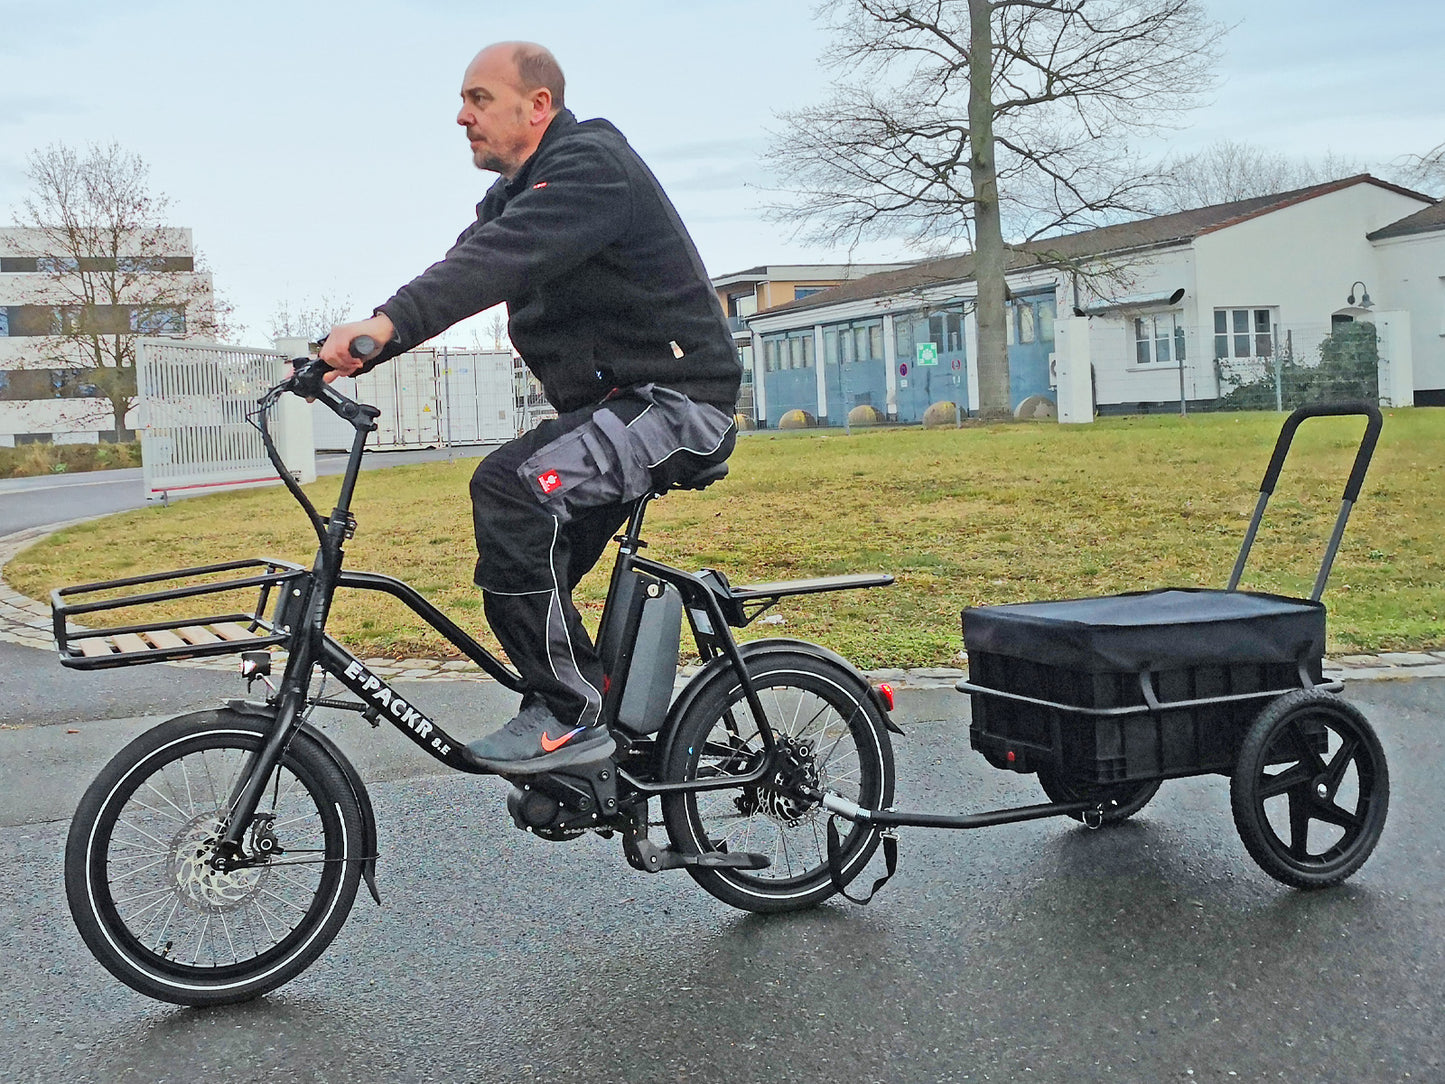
column 817, row 707
column 136, row 875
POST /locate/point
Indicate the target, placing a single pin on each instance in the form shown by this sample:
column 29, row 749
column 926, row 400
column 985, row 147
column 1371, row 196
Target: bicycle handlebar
column 308, row 380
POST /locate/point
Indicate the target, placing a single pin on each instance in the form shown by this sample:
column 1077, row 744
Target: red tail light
column 885, row 693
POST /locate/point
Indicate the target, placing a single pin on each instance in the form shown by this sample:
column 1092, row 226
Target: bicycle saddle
column 713, row 472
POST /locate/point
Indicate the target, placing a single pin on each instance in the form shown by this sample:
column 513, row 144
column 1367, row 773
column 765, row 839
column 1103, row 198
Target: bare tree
column 1425, row 170
column 1230, row 170
column 953, row 120
column 498, row 327
column 310, row 319
column 112, row 270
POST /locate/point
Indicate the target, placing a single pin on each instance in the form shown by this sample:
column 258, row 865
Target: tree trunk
column 992, row 361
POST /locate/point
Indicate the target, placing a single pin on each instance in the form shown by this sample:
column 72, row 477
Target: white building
column 46, row 389
column 1134, row 317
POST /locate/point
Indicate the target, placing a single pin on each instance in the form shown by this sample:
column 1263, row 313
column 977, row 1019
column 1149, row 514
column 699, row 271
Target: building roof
column 790, row 272
column 1161, row 230
column 1424, row 221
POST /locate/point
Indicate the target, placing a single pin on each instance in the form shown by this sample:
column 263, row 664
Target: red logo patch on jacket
column 539, row 184
column 549, row 480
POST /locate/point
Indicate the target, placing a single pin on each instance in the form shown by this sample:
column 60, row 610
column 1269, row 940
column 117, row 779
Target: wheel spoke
column 1272, row 786
column 1340, row 762
column 1299, row 823
column 180, row 814
column 1306, row 746
column 1334, row 814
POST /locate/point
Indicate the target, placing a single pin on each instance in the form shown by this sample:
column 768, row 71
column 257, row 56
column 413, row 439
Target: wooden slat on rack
column 164, row 638
column 129, row 641
column 229, row 630
column 93, row 648
column 195, row 634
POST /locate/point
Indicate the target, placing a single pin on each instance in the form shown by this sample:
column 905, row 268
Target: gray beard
column 488, row 161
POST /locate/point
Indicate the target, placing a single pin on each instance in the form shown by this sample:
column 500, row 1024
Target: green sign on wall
column 927, row 354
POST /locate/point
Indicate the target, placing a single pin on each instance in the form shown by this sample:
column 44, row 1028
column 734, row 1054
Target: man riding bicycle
column 612, row 310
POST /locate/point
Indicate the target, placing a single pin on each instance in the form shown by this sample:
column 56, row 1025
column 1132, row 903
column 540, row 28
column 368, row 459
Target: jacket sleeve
column 579, row 201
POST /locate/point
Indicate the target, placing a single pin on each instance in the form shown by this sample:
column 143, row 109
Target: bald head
column 534, row 66
column 510, row 93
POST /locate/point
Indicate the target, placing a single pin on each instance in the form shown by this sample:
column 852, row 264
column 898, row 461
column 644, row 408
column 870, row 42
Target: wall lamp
column 1365, row 301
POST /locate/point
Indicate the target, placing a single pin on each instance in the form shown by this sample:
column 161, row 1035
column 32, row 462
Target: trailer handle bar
column 1352, row 486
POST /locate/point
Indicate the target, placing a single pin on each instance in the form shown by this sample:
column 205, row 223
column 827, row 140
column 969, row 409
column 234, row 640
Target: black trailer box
column 1082, row 665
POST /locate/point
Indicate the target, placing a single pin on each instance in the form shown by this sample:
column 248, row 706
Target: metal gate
column 431, row 398
column 193, row 399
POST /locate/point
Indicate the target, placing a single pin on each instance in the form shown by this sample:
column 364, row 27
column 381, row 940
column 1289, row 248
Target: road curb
column 27, row 622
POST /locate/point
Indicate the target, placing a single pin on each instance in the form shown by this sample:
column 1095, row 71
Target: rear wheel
column 1117, row 801
column 831, row 736
column 1310, row 789
column 141, row 886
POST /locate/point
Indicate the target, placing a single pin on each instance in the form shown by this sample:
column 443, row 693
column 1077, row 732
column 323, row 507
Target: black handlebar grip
column 1327, row 410
column 363, row 346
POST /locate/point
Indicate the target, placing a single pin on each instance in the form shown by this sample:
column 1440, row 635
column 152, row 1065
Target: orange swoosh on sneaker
column 550, row 745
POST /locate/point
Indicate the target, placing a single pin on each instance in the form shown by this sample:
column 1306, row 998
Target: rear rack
column 195, row 635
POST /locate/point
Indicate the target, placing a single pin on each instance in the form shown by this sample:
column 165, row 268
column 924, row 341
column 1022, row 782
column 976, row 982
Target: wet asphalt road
column 1152, row 951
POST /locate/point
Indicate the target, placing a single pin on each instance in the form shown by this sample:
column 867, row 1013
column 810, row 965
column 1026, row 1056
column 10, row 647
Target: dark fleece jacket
column 603, row 285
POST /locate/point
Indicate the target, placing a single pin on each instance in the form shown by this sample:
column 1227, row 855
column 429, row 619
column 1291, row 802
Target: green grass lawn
column 962, row 517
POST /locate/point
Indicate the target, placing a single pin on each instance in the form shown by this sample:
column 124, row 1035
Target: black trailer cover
column 1164, row 629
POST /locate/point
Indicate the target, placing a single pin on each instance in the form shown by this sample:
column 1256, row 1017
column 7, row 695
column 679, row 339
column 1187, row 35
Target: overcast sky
column 311, row 144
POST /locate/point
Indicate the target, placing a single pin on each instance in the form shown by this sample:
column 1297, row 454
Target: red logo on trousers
column 549, row 480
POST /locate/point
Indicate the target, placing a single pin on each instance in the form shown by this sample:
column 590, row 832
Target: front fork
column 308, row 626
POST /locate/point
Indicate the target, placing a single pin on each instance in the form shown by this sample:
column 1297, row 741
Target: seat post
column 631, row 537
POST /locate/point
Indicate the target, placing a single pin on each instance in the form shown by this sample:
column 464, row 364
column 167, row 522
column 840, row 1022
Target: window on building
column 142, row 263
column 807, row 291
column 56, row 265
column 1026, row 322
column 1243, row 333
column 858, row 340
column 4, row 322
column 788, row 350
column 25, row 384
column 158, row 320
column 1159, row 339
column 1046, row 322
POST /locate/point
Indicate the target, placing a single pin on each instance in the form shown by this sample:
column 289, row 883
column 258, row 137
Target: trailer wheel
column 1120, row 801
column 1310, row 789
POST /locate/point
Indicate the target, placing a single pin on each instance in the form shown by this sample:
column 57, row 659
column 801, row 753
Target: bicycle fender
column 771, row 646
column 348, row 772
column 806, row 647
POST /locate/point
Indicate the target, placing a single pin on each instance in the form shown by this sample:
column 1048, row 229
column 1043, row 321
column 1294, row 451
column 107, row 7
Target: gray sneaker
column 536, row 741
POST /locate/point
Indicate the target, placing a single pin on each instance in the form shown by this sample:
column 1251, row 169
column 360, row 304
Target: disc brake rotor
column 782, row 799
column 200, row 886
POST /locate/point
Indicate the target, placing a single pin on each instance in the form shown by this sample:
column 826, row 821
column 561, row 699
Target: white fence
column 431, row 398
column 193, row 400
column 1152, row 363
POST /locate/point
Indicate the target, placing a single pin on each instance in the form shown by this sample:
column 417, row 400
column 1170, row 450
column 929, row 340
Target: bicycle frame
column 303, row 610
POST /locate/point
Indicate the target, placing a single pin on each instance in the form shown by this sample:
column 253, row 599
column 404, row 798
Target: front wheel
column 138, row 877
column 830, row 735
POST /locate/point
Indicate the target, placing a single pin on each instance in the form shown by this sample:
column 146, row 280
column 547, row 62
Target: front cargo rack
column 196, row 634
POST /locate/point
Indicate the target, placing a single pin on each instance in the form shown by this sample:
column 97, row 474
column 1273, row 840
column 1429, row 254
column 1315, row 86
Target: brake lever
column 308, row 377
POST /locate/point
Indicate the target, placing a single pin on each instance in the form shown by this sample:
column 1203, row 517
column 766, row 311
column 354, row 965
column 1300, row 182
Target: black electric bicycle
column 217, row 855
